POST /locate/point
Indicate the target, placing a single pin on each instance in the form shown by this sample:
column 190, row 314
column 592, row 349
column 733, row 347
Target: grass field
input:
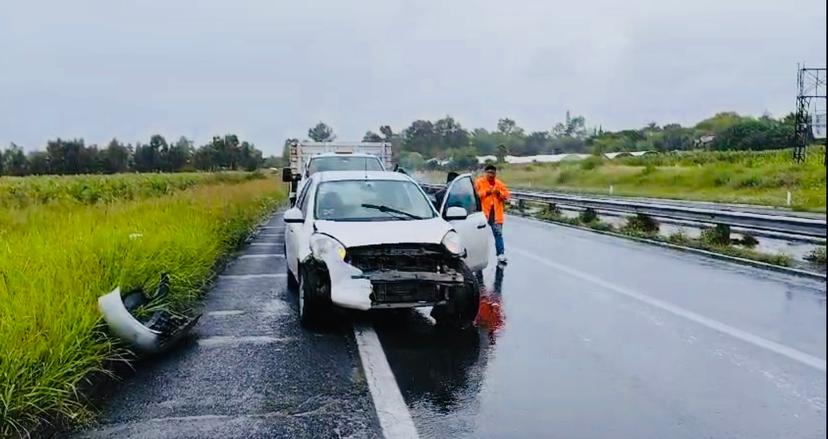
column 762, row 178
column 59, row 253
column 93, row 189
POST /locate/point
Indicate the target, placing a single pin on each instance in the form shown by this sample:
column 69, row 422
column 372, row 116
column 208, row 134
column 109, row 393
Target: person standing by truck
column 493, row 196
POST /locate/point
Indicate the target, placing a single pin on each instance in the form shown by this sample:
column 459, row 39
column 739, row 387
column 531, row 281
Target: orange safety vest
column 492, row 200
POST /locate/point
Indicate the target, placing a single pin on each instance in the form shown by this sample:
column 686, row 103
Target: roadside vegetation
column 749, row 177
column 60, row 252
column 16, row 192
column 714, row 239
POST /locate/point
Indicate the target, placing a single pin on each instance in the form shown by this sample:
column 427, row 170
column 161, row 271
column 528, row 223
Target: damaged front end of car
column 382, row 276
column 410, row 275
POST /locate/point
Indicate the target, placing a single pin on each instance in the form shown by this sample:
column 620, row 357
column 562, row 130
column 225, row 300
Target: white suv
column 372, row 239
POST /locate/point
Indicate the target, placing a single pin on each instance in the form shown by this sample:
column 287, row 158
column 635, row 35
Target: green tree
column 411, row 160
column 449, row 134
column 14, row 161
column 420, row 137
column 250, row 158
column 160, row 153
column 536, row 143
column 180, row 154
column 321, row 133
column 718, row 123
column 484, row 142
column 502, row 152
column 115, row 158
column 574, row 127
column 371, row 136
column 38, row 163
column 463, row 158
column 508, row 127
column 510, row 134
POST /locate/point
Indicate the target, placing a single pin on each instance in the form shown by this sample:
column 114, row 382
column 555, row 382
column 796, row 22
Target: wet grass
column 761, row 178
column 817, row 257
column 17, row 192
column 646, row 228
column 57, row 257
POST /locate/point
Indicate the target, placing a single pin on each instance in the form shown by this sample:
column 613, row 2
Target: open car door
column 474, row 231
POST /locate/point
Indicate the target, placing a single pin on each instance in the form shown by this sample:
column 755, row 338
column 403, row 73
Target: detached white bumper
column 346, row 291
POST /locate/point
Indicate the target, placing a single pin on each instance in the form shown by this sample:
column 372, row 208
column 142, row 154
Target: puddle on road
column 441, row 372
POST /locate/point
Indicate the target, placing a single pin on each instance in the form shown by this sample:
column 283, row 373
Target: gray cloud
column 268, row 70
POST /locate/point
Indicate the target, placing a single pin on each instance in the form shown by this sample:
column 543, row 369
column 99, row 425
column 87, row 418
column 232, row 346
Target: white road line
column 392, row 412
column 262, row 255
column 266, row 243
column 793, row 354
column 269, row 235
column 272, row 227
column 222, row 340
column 252, row 276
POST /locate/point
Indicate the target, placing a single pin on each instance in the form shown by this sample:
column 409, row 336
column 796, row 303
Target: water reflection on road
column 439, row 371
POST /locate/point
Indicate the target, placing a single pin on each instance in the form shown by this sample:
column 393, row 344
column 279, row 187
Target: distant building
column 704, row 141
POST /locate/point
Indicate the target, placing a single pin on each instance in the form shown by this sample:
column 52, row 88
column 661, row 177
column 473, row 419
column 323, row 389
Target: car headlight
column 322, row 245
column 453, row 244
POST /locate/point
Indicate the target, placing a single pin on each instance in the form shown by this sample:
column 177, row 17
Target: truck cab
column 308, row 158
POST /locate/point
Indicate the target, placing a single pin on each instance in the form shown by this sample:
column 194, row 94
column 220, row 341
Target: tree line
column 73, row 156
column 447, row 140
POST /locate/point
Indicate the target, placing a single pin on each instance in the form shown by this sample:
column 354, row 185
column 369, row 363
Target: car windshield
column 343, row 163
column 371, row 200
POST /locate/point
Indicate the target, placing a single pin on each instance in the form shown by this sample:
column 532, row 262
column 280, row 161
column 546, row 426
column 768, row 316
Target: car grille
column 404, row 257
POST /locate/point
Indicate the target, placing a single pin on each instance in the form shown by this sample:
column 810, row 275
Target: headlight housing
column 453, row 244
column 322, row 245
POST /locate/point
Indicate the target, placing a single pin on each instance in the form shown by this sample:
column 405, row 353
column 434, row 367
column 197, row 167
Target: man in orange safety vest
column 493, row 196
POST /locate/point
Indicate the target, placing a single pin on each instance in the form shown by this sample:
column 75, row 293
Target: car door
column 294, row 232
column 474, row 231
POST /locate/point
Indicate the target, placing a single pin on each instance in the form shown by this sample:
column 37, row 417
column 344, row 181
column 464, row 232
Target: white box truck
column 307, row 158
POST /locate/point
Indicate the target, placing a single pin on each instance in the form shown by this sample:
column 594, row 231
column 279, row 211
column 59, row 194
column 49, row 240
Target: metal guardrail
column 747, row 220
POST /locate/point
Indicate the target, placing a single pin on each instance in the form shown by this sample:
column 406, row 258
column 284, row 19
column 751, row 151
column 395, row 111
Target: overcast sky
column 267, row 70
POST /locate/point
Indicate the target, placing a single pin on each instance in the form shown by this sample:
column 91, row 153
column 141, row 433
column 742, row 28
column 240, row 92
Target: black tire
column 464, row 303
column 310, row 308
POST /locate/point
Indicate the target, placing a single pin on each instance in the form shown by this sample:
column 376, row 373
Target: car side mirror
column 287, row 175
column 456, row 213
column 294, row 216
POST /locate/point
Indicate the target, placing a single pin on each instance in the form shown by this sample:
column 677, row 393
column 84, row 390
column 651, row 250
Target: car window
column 343, row 163
column 371, row 200
column 463, row 195
column 303, row 198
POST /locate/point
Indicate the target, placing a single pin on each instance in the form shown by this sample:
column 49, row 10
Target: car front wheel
column 464, row 302
column 310, row 305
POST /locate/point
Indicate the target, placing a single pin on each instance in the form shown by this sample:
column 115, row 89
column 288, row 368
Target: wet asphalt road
column 570, row 356
column 248, row 370
column 580, row 336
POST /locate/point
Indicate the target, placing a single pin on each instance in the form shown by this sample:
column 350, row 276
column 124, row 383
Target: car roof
column 361, row 175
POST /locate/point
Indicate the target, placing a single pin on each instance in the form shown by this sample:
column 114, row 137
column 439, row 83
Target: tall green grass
column 737, row 177
column 18, row 192
column 57, row 258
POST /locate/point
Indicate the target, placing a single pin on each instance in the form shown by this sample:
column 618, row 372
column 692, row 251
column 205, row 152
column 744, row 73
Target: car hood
column 354, row 234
